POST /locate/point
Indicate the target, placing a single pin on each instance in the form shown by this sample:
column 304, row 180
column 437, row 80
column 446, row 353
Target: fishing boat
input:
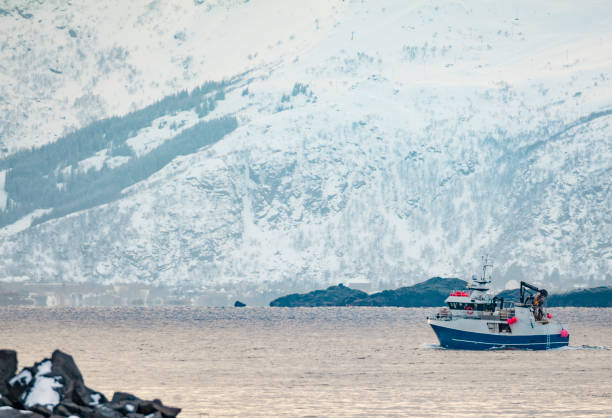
column 474, row 319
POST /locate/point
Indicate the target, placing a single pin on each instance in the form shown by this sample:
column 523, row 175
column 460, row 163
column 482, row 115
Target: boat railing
column 480, row 315
column 443, row 314
column 488, row 316
column 497, row 316
column 506, row 313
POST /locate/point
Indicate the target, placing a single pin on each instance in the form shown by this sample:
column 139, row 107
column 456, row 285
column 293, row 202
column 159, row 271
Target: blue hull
column 465, row 340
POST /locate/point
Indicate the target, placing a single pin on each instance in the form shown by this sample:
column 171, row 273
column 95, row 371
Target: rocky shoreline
column 54, row 387
column 430, row 293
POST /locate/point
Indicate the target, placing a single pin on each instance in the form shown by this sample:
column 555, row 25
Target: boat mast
column 482, row 283
column 485, row 264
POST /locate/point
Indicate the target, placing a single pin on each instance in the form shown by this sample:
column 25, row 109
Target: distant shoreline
column 431, row 293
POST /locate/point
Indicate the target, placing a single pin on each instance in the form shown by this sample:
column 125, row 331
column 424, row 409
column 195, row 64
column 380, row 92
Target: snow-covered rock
column 56, row 387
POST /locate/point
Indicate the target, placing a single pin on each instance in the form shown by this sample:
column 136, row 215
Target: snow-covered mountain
column 386, row 140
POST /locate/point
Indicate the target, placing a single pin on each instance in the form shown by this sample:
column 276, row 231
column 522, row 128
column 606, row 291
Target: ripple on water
column 316, row 361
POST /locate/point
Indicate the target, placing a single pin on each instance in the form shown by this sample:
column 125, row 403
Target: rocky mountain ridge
column 390, row 141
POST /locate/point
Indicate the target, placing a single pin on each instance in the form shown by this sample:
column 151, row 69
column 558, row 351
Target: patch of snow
column 15, row 279
column 114, row 162
column 24, row 378
column 104, row 268
column 95, row 399
column 44, row 368
column 23, row 223
column 95, row 162
column 66, row 171
column 3, row 193
column 161, row 129
column 44, row 392
column 580, row 285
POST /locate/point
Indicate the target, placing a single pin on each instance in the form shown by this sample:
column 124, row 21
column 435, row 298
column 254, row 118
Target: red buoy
column 564, row 333
column 548, row 316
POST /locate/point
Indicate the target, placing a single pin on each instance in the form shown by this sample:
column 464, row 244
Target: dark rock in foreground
column 332, row 296
column 239, row 304
column 55, row 387
column 8, row 368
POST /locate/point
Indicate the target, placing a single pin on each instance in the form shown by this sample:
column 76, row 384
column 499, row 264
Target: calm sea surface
column 316, row 361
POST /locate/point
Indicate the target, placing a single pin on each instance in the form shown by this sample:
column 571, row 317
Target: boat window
column 505, row 328
column 485, row 307
column 460, row 305
column 475, row 306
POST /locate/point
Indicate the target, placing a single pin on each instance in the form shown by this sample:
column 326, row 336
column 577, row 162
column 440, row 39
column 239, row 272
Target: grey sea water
column 317, row 361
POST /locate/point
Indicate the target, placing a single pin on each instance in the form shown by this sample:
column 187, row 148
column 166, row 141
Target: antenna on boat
column 485, row 264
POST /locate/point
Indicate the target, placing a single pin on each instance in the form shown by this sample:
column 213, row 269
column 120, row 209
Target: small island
column 430, row 293
column 332, row 296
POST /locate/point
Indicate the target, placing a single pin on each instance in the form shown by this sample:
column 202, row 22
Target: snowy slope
column 64, row 65
column 386, row 140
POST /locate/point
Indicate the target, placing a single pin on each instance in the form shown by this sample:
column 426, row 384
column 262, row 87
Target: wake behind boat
column 475, row 320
